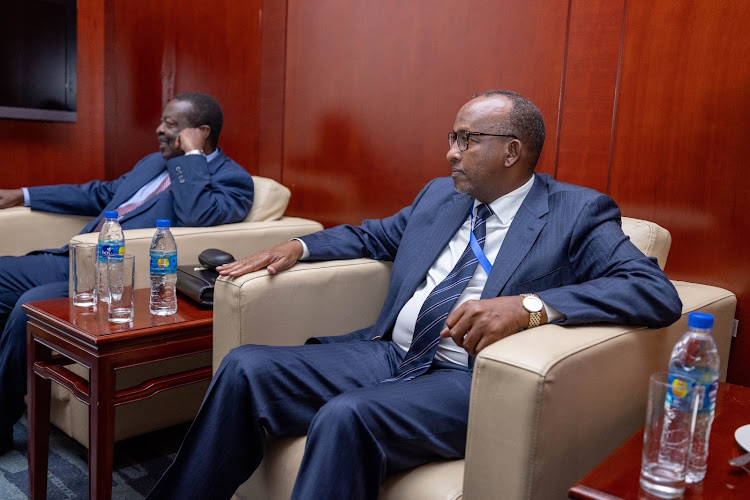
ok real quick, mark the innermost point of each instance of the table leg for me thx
(101, 429)
(38, 390)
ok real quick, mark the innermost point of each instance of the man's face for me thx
(173, 120)
(478, 171)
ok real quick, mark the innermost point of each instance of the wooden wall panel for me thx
(271, 88)
(679, 152)
(35, 152)
(588, 92)
(372, 89)
(159, 49)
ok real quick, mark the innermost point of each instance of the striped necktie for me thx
(431, 319)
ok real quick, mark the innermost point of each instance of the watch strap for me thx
(535, 317)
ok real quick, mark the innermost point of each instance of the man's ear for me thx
(512, 153)
(205, 133)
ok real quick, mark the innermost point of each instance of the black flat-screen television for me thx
(38, 60)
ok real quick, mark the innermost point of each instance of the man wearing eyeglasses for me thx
(479, 256)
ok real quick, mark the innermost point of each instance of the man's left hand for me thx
(475, 324)
(192, 138)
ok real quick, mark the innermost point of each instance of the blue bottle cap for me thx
(700, 320)
(162, 222)
(110, 214)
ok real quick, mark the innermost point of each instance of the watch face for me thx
(532, 303)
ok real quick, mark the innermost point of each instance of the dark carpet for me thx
(138, 463)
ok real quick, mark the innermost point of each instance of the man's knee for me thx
(56, 290)
(345, 409)
(17, 319)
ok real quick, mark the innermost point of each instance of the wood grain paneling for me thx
(588, 92)
(679, 144)
(372, 89)
(271, 88)
(159, 49)
(35, 152)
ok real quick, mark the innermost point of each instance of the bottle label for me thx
(163, 263)
(678, 393)
(110, 248)
(709, 396)
(679, 390)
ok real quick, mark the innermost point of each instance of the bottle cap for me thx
(700, 320)
(110, 214)
(162, 222)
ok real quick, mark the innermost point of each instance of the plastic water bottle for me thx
(163, 270)
(695, 359)
(111, 242)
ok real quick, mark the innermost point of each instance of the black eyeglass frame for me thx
(453, 137)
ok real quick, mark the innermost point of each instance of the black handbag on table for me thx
(197, 282)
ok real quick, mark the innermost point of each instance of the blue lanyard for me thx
(478, 252)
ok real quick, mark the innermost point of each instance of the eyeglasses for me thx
(462, 138)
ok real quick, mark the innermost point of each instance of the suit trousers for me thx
(23, 279)
(358, 430)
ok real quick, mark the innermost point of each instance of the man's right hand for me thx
(275, 259)
(10, 197)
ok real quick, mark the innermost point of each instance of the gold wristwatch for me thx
(534, 305)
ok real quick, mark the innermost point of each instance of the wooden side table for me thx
(84, 336)
(617, 476)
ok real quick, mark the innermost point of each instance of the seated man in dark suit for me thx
(477, 257)
(190, 181)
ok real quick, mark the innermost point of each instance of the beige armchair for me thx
(546, 404)
(264, 226)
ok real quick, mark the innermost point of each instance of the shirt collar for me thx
(506, 206)
(212, 155)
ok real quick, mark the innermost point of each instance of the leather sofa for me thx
(547, 404)
(264, 226)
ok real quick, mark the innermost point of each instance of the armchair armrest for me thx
(25, 230)
(548, 404)
(240, 239)
(311, 298)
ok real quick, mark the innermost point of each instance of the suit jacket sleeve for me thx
(209, 194)
(613, 281)
(377, 239)
(201, 193)
(75, 199)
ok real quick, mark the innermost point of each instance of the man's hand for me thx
(10, 197)
(475, 324)
(192, 138)
(275, 259)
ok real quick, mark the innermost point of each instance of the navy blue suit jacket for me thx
(565, 244)
(201, 194)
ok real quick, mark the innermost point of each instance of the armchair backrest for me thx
(650, 238)
(270, 200)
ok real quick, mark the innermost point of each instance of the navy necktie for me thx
(431, 319)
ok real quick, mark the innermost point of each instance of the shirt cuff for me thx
(26, 199)
(305, 251)
(552, 313)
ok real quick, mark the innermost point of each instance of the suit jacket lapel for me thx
(135, 182)
(522, 234)
(434, 238)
